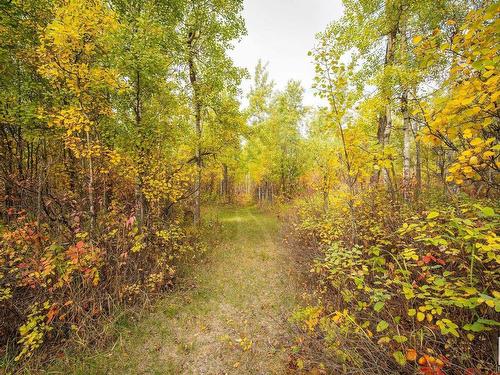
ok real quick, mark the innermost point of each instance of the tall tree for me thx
(209, 29)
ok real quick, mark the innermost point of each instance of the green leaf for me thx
(488, 211)
(400, 339)
(432, 215)
(382, 325)
(378, 306)
(440, 282)
(488, 322)
(399, 357)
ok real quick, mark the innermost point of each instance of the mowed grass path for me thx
(228, 316)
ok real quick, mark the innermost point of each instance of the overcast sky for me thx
(281, 32)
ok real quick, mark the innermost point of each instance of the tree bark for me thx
(406, 145)
(325, 193)
(418, 165)
(385, 117)
(197, 113)
(90, 185)
(225, 183)
(140, 201)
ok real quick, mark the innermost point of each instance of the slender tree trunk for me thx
(386, 134)
(427, 171)
(406, 145)
(350, 182)
(90, 185)
(418, 165)
(197, 194)
(39, 194)
(197, 113)
(325, 193)
(139, 195)
(225, 183)
(385, 117)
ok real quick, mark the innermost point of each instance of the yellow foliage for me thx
(466, 109)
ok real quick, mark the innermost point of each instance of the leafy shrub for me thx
(419, 287)
(51, 286)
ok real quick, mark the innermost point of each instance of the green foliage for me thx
(419, 280)
(98, 149)
(404, 273)
(274, 153)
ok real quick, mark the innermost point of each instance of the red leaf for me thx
(130, 222)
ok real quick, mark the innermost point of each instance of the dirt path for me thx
(234, 319)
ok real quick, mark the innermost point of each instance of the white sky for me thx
(281, 32)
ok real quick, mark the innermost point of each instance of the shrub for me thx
(54, 282)
(420, 288)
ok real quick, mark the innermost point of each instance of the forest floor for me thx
(227, 315)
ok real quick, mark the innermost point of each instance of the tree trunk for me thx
(418, 165)
(325, 193)
(90, 185)
(225, 183)
(197, 113)
(140, 199)
(197, 194)
(385, 117)
(406, 145)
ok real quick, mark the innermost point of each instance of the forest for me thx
(156, 218)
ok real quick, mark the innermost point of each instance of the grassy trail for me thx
(231, 321)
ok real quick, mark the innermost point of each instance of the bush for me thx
(415, 290)
(54, 283)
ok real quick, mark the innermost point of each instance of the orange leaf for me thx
(411, 354)
(51, 313)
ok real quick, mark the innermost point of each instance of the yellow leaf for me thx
(476, 142)
(467, 133)
(473, 160)
(432, 215)
(417, 39)
(300, 364)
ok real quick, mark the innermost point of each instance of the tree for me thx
(375, 36)
(23, 135)
(463, 116)
(209, 27)
(69, 52)
(275, 146)
(322, 146)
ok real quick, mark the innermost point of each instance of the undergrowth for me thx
(61, 293)
(407, 289)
